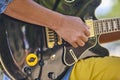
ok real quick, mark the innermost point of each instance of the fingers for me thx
(84, 38)
(80, 41)
(74, 31)
(87, 33)
(74, 44)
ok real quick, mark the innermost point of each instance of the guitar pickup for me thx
(89, 22)
(52, 38)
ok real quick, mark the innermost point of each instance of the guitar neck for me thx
(97, 27)
(106, 26)
(103, 26)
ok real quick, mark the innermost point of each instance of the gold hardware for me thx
(53, 57)
(50, 39)
(59, 40)
(50, 36)
(89, 22)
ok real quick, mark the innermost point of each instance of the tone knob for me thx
(52, 75)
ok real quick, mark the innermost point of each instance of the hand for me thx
(73, 30)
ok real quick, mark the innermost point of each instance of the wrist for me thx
(57, 21)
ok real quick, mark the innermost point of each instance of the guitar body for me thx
(18, 39)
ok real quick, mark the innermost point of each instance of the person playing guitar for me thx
(74, 32)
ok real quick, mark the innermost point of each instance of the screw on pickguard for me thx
(52, 38)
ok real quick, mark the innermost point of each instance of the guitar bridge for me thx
(52, 38)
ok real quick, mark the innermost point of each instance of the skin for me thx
(71, 29)
(64, 25)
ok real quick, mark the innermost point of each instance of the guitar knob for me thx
(27, 70)
(31, 59)
(51, 75)
(41, 62)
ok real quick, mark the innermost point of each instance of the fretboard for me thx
(106, 26)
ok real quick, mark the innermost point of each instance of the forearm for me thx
(109, 37)
(70, 28)
(30, 11)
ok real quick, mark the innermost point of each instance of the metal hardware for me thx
(89, 22)
(51, 75)
(69, 1)
(52, 38)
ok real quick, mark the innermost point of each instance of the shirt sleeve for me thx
(3, 5)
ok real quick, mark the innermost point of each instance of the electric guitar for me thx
(19, 39)
(97, 27)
